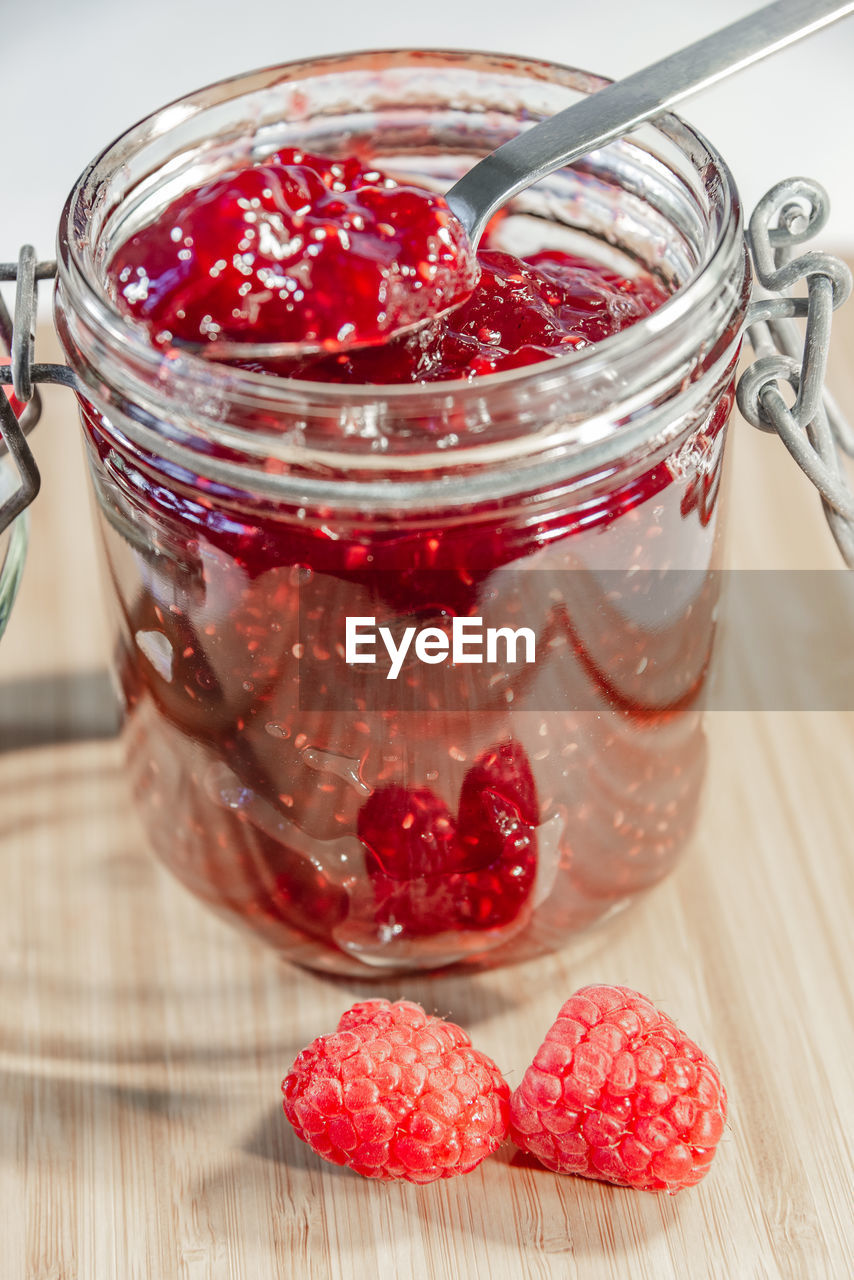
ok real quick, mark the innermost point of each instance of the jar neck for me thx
(503, 433)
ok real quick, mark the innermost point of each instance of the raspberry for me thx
(506, 770)
(498, 814)
(395, 1093)
(410, 834)
(617, 1092)
(431, 873)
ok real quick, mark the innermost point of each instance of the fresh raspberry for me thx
(395, 1093)
(431, 873)
(618, 1092)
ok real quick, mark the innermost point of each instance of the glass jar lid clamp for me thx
(812, 427)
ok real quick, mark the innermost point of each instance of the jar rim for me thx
(112, 333)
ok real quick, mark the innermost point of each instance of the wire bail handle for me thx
(813, 429)
(17, 338)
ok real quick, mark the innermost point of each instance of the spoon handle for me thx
(620, 107)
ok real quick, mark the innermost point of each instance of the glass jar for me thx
(461, 812)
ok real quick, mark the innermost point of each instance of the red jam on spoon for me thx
(298, 249)
(304, 249)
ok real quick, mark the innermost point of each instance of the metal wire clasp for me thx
(18, 338)
(812, 428)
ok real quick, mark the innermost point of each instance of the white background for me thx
(76, 73)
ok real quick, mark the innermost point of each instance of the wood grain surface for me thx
(142, 1042)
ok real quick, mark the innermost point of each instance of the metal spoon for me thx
(590, 123)
(621, 107)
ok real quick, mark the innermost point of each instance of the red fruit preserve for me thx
(298, 249)
(411, 554)
(210, 272)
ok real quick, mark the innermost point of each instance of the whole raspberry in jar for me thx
(460, 811)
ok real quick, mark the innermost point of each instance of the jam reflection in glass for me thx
(477, 815)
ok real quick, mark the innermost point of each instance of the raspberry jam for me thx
(299, 249)
(238, 261)
(250, 505)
